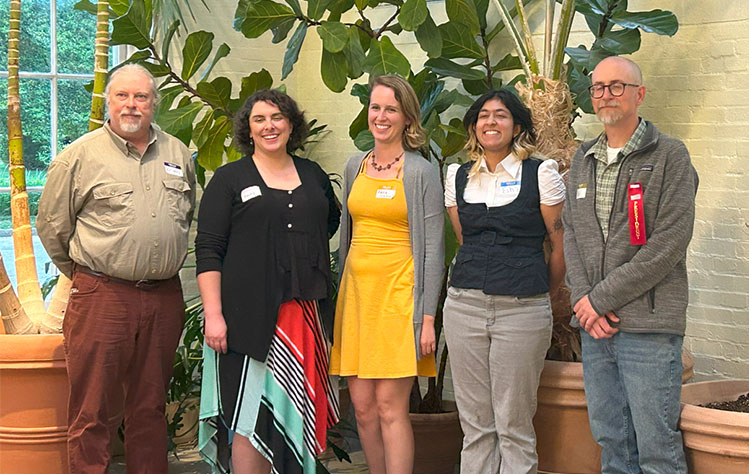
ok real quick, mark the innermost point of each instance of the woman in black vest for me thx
(498, 320)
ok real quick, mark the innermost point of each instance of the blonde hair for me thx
(414, 135)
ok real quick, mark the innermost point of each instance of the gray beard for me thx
(130, 127)
(610, 119)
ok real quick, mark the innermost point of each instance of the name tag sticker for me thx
(173, 169)
(582, 190)
(250, 193)
(647, 168)
(509, 187)
(385, 193)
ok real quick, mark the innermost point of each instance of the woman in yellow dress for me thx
(392, 262)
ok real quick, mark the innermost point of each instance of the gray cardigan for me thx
(426, 222)
(645, 286)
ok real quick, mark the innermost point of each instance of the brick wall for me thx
(698, 90)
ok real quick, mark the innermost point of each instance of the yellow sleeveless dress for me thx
(373, 336)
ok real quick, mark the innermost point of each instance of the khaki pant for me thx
(497, 347)
(120, 341)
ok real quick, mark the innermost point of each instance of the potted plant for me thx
(716, 441)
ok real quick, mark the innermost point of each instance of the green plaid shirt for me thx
(606, 174)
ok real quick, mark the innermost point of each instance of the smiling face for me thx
(386, 118)
(131, 104)
(495, 128)
(269, 128)
(612, 110)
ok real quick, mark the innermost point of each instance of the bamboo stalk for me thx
(550, 7)
(515, 35)
(56, 311)
(563, 35)
(29, 293)
(15, 320)
(101, 65)
(530, 49)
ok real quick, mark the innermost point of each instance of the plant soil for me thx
(741, 404)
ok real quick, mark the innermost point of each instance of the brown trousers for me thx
(120, 342)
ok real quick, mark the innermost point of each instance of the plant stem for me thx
(532, 57)
(515, 35)
(563, 34)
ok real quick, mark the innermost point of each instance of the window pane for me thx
(35, 121)
(73, 106)
(34, 47)
(76, 33)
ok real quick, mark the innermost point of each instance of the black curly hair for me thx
(288, 108)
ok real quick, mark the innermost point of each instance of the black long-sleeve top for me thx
(270, 246)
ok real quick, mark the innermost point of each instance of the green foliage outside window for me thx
(75, 55)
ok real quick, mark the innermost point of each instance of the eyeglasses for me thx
(615, 88)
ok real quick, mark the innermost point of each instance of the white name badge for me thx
(250, 193)
(173, 169)
(581, 192)
(509, 187)
(385, 193)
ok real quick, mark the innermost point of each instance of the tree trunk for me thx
(14, 317)
(29, 292)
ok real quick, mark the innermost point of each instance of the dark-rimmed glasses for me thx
(615, 88)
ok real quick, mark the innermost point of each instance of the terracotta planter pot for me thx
(716, 441)
(438, 440)
(563, 438)
(33, 404)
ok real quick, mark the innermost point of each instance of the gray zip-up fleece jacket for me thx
(645, 286)
(426, 221)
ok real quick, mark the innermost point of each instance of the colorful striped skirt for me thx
(284, 405)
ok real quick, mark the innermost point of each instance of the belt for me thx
(142, 284)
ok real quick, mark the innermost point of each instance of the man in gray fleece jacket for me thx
(628, 219)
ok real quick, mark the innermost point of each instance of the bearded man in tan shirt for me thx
(114, 217)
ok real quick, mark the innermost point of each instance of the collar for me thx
(510, 164)
(598, 150)
(122, 144)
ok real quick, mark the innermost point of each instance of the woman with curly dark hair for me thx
(264, 277)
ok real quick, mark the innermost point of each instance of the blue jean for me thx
(633, 389)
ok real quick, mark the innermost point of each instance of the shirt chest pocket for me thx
(114, 204)
(178, 198)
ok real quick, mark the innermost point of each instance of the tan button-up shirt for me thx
(119, 213)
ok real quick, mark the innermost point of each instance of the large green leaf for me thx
(255, 82)
(429, 37)
(364, 140)
(579, 84)
(508, 63)
(85, 6)
(621, 41)
(354, 54)
(361, 92)
(598, 7)
(459, 42)
(294, 4)
(168, 40)
(120, 7)
(333, 69)
(134, 27)
(240, 14)
(281, 31)
(211, 154)
(334, 35)
(359, 124)
(217, 92)
(479, 87)
(196, 50)
(448, 68)
(166, 98)
(361, 5)
(292, 49)
(182, 117)
(655, 21)
(384, 58)
(202, 129)
(463, 12)
(586, 60)
(482, 6)
(456, 137)
(316, 8)
(262, 15)
(222, 52)
(413, 14)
